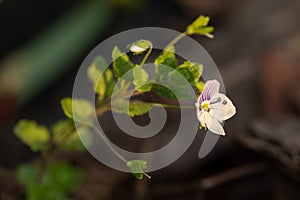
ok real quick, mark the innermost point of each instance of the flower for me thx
(213, 107)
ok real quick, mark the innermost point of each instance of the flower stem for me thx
(173, 106)
(146, 56)
(175, 40)
(100, 111)
(103, 137)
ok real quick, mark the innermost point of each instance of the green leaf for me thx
(38, 192)
(121, 63)
(204, 30)
(66, 104)
(140, 46)
(67, 137)
(61, 129)
(144, 88)
(55, 182)
(101, 77)
(201, 21)
(77, 109)
(182, 91)
(191, 71)
(74, 142)
(136, 108)
(61, 176)
(140, 78)
(34, 135)
(121, 88)
(28, 175)
(137, 167)
(120, 107)
(167, 58)
(199, 26)
(96, 69)
(138, 175)
(199, 86)
(163, 91)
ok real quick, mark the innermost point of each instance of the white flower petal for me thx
(221, 107)
(211, 88)
(214, 126)
(197, 105)
(207, 121)
(204, 118)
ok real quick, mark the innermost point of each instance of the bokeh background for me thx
(257, 50)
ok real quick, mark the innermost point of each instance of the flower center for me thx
(205, 105)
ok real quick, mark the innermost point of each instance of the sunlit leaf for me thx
(199, 86)
(191, 72)
(138, 108)
(78, 109)
(121, 63)
(34, 135)
(65, 135)
(101, 77)
(199, 26)
(167, 58)
(140, 78)
(74, 141)
(61, 129)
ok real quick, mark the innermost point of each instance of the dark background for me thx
(256, 48)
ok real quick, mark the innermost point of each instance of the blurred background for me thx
(257, 50)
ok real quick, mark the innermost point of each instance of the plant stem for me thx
(175, 40)
(103, 137)
(172, 106)
(146, 56)
(130, 94)
(102, 110)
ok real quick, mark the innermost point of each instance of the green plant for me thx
(53, 179)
